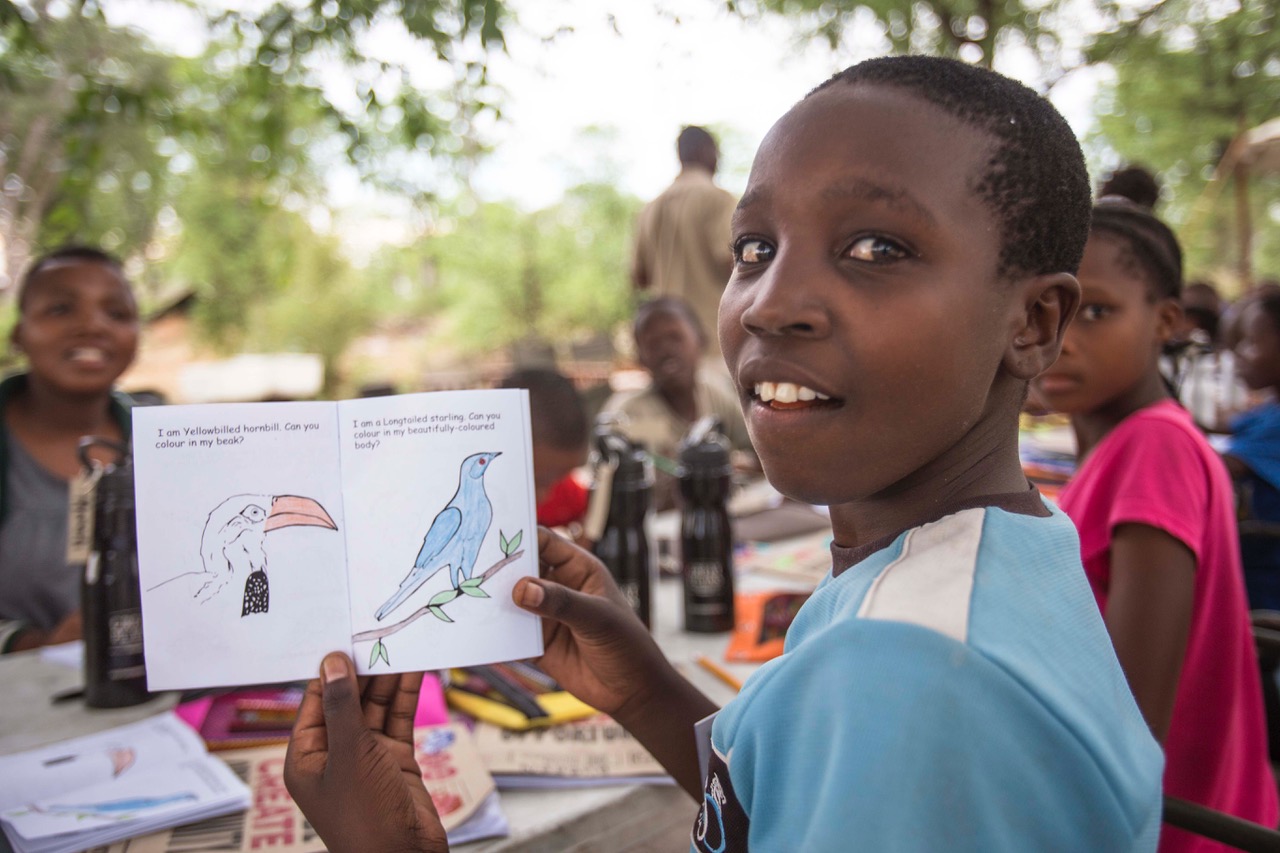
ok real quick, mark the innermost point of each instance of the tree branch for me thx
(379, 633)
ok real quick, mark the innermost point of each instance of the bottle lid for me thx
(117, 482)
(632, 466)
(705, 450)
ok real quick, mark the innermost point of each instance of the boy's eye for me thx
(750, 250)
(1092, 313)
(877, 249)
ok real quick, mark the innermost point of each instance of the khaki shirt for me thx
(645, 418)
(682, 246)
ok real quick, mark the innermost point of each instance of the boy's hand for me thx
(351, 766)
(596, 647)
(600, 651)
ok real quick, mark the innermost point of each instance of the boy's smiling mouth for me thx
(788, 395)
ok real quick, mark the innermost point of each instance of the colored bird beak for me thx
(295, 511)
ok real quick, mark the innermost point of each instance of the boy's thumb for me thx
(579, 611)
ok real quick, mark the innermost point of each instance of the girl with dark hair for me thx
(1154, 507)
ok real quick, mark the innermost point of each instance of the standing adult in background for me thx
(78, 328)
(682, 237)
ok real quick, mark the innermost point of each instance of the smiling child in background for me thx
(78, 328)
(903, 252)
(1154, 507)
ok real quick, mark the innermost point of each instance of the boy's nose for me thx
(780, 302)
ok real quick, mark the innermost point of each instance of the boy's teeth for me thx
(787, 392)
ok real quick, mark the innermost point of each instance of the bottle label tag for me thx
(598, 506)
(80, 511)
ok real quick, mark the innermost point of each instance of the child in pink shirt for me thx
(1153, 504)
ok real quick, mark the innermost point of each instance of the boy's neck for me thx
(990, 467)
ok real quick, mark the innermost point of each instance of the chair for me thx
(1217, 826)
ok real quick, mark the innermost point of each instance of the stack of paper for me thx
(116, 784)
(459, 786)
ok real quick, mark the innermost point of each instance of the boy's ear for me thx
(1046, 306)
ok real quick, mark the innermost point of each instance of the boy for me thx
(558, 422)
(903, 252)
(669, 344)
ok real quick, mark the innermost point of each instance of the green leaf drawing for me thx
(438, 613)
(442, 597)
(502, 542)
(514, 543)
(471, 583)
(379, 651)
(474, 591)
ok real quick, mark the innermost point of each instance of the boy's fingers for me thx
(565, 561)
(376, 699)
(404, 707)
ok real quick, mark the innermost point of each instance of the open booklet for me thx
(126, 781)
(392, 528)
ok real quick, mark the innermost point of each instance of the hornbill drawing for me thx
(233, 539)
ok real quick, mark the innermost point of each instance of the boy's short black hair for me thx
(672, 305)
(556, 413)
(76, 252)
(1151, 244)
(1035, 181)
(1135, 183)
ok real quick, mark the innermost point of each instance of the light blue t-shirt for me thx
(955, 690)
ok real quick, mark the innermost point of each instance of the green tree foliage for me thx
(973, 30)
(1189, 75)
(94, 116)
(507, 276)
(84, 111)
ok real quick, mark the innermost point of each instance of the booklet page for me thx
(240, 542)
(440, 526)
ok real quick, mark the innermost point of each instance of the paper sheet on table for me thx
(272, 533)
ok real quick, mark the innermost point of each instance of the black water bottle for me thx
(706, 539)
(623, 544)
(111, 598)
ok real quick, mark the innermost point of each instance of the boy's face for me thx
(669, 348)
(866, 272)
(78, 326)
(1258, 353)
(1112, 346)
